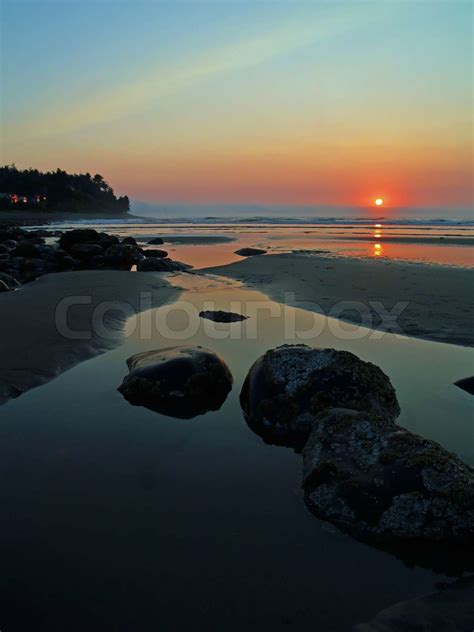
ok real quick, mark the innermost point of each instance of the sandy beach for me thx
(34, 350)
(439, 305)
(440, 299)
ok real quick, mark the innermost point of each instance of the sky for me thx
(283, 102)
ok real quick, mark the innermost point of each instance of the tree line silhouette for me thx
(58, 191)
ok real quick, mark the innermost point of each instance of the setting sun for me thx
(379, 201)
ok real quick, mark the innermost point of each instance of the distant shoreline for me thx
(38, 218)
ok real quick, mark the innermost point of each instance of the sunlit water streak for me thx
(445, 244)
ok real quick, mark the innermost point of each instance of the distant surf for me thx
(273, 220)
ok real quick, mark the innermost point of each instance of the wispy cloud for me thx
(159, 81)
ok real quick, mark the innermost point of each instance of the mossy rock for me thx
(288, 387)
(180, 382)
(378, 481)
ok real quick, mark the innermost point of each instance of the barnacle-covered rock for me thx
(381, 482)
(291, 385)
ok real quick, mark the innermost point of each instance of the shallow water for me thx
(437, 243)
(118, 518)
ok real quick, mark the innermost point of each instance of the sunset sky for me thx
(290, 103)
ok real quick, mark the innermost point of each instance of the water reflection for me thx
(201, 245)
(99, 496)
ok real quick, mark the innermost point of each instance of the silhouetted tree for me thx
(60, 191)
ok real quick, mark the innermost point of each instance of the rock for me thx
(10, 243)
(380, 482)
(222, 317)
(4, 287)
(8, 233)
(86, 251)
(86, 236)
(9, 281)
(289, 386)
(161, 265)
(97, 263)
(4, 250)
(156, 241)
(122, 256)
(250, 252)
(179, 382)
(36, 237)
(26, 249)
(467, 384)
(451, 609)
(131, 241)
(158, 254)
(59, 254)
(31, 269)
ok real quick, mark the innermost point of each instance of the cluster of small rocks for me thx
(25, 255)
(361, 471)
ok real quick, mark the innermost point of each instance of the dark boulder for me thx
(152, 264)
(250, 252)
(155, 253)
(11, 233)
(4, 287)
(97, 262)
(380, 482)
(122, 256)
(34, 237)
(180, 382)
(86, 251)
(220, 316)
(156, 241)
(291, 385)
(26, 248)
(4, 235)
(10, 243)
(466, 384)
(131, 241)
(31, 269)
(86, 236)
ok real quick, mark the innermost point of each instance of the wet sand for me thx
(439, 300)
(439, 306)
(34, 350)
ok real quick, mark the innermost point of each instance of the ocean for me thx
(426, 240)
